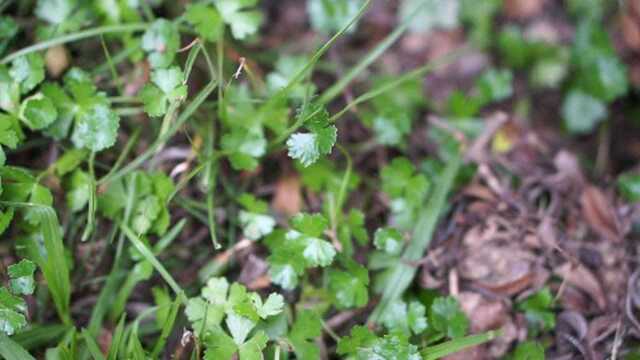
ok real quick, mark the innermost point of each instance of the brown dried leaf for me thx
(288, 198)
(522, 9)
(630, 31)
(483, 314)
(600, 214)
(583, 279)
(56, 60)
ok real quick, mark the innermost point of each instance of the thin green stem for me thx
(91, 212)
(122, 28)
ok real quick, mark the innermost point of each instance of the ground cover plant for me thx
(319, 179)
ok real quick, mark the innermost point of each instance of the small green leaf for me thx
(308, 147)
(495, 85)
(629, 186)
(206, 20)
(21, 277)
(538, 309)
(78, 190)
(239, 327)
(96, 129)
(273, 305)
(38, 112)
(255, 226)
(28, 71)
(349, 288)
(582, 112)
(252, 349)
(528, 350)
(388, 240)
(319, 252)
(432, 14)
(238, 14)
(220, 346)
(446, 316)
(161, 41)
(55, 11)
(328, 17)
(310, 224)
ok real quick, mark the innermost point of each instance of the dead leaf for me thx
(483, 314)
(288, 198)
(57, 60)
(582, 278)
(522, 9)
(599, 213)
(630, 31)
(501, 269)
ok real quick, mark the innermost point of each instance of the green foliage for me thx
(168, 86)
(406, 189)
(241, 16)
(241, 312)
(362, 344)
(582, 112)
(349, 288)
(161, 41)
(447, 317)
(629, 186)
(206, 20)
(255, 222)
(538, 309)
(297, 249)
(328, 17)
(430, 14)
(528, 350)
(319, 140)
(13, 309)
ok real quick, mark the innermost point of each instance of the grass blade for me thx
(109, 29)
(53, 265)
(92, 346)
(166, 328)
(40, 335)
(116, 342)
(403, 273)
(441, 350)
(372, 56)
(9, 349)
(150, 257)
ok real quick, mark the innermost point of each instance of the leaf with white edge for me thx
(284, 275)
(273, 305)
(11, 321)
(416, 318)
(216, 290)
(21, 277)
(28, 71)
(206, 20)
(96, 129)
(328, 17)
(446, 316)
(240, 16)
(239, 327)
(322, 136)
(582, 112)
(38, 112)
(388, 240)
(431, 14)
(255, 226)
(55, 11)
(319, 252)
(161, 41)
(349, 288)
(78, 190)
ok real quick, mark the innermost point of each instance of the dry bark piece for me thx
(288, 198)
(583, 279)
(600, 214)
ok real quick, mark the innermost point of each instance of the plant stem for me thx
(123, 28)
(404, 272)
